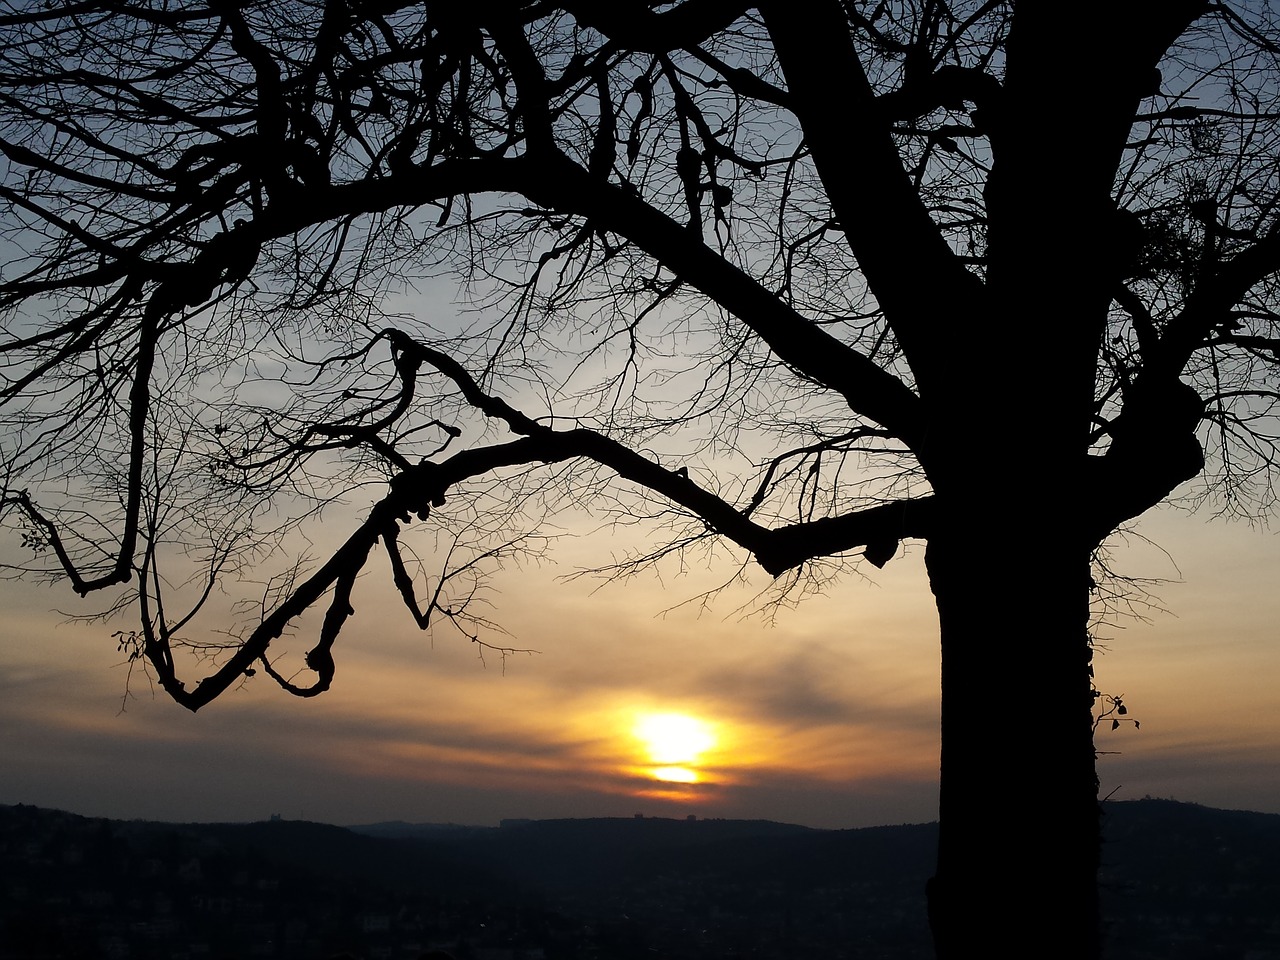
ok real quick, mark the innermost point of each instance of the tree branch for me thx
(887, 226)
(1211, 303)
(775, 550)
(633, 25)
(559, 183)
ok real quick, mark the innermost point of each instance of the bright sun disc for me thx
(673, 739)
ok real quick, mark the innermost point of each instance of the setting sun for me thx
(674, 742)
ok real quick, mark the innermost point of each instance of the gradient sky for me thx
(827, 717)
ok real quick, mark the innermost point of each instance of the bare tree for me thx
(813, 278)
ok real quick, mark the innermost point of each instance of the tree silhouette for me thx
(813, 278)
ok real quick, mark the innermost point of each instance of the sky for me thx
(826, 717)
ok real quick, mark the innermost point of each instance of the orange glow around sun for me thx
(674, 743)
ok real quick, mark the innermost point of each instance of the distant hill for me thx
(589, 856)
(400, 830)
(1184, 881)
(1179, 882)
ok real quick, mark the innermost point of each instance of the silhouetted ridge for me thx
(1180, 882)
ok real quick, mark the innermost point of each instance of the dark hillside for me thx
(1180, 882)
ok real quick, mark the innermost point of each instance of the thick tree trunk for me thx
(1018, 845)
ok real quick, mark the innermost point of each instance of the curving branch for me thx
(637, 27)
(776, 550)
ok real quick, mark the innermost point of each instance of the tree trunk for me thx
(1019, 816)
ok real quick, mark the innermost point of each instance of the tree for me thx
(812, 278)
